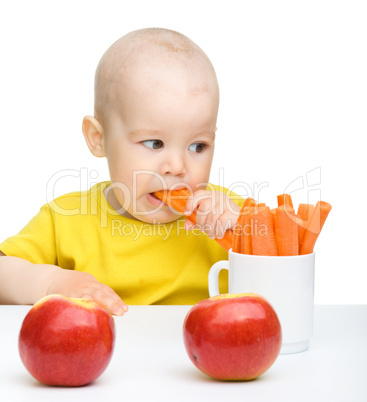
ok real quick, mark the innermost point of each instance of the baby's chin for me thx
(159, 220)
(156, 218)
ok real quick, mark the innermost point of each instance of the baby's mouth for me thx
(153, 195)
(155, 200)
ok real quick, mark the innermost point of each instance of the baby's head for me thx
(156, 105)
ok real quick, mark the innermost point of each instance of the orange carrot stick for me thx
(246, 236)
(236, 244)
(227, 241)
(241, 239)
(314, 226)
(286, 231)
(249, 202)
(242, 235)
(263, 239)
(237, 234)
(284, 199)
(304, 214)
(273, 212)
(177, 199)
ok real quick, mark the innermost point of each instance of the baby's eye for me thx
(197, 147)
(153, 144)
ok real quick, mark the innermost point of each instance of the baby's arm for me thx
(22, 282)
(216, 212)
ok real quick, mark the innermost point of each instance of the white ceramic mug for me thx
(287, 283)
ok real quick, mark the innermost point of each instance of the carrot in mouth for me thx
(177, 199)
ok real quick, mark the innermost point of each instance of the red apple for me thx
(232, 336)
(65, 341)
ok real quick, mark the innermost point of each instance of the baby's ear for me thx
(93, 134)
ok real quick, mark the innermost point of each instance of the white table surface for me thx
(150, 363)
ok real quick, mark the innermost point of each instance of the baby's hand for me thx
(215, 212)
(82, 284)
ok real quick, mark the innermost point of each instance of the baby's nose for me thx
(175, 165)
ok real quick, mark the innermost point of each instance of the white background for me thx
(293, 107)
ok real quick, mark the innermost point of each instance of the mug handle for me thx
(213, 277)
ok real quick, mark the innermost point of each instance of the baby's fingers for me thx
(195, 200)
(107, 297)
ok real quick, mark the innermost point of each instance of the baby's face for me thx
(161, 135)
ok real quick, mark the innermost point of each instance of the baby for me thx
(156, 105)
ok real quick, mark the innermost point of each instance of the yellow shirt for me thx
(143, 263)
